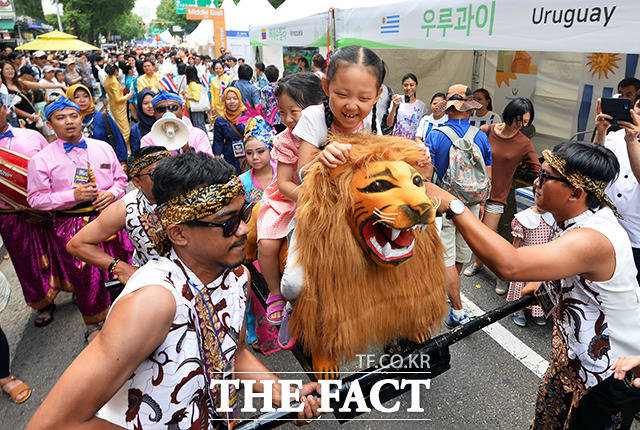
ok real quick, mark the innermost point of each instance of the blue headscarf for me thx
(59, 104)
(145, 122)
(165, 95)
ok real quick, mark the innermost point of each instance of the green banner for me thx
(181, 5)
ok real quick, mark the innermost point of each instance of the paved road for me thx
(486, 388)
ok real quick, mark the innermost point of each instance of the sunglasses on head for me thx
(170, 108)
(544, 176)
(230, 226)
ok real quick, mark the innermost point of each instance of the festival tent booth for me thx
(57, 41)
(552, 53)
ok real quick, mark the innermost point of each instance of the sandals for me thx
(15, 392)
(272, 309)
(45, 319)
(89, 331)
(285, 340)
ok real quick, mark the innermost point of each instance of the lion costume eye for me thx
(418, 181)
(378, 186)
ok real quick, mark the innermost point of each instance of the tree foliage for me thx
(166, 12)
(32, 8)
(89, 18)
(128, 27)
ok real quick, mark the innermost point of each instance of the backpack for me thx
(466, 177)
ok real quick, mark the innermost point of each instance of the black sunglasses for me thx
(230, 226)
(544, 176)
(170, 108)
(149, 173)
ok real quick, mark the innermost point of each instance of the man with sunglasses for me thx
(178, 325)
(135, 213)
(167, 102)
(597, 312)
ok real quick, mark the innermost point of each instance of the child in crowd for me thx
(261, 335)
(531, 226)
(435, 119)
(483, 115)
(294, 93)
(257, 145)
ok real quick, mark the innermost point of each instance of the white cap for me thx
(39, 54)
(48, 68)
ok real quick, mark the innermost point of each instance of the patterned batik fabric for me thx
(171, 388)
(141, 224)
(580, 319)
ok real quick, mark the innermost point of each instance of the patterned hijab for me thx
(71, 92)
(229, 115)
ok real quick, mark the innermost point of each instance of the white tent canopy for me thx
(247, 13)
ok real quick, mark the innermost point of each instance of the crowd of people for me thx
(106, 201)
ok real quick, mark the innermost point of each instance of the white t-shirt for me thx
(312, 127)
(624, 191)
(50, 94)
(408, 118)
(489, 118)
(427, 123)
(320, 74)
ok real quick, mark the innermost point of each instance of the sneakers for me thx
(500, 287)
(452, 321)
(541, 321)
(472, 270)
(284, 338)
(519, 319)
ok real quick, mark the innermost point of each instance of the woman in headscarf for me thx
(97, 125)
(117, 99)
(146, 118)
(228, 133)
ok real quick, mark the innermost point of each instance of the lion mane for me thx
(348, 302)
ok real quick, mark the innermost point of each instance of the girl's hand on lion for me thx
(335, 154)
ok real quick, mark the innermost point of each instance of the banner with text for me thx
(181, 5)
(308, 31)
(537, 25)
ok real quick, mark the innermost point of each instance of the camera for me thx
(407, 98)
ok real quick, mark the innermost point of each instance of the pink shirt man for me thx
(26, 142)
(52, 171)
(198, 140)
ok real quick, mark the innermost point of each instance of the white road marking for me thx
(508, 341)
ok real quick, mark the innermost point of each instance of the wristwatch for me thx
(456, 207)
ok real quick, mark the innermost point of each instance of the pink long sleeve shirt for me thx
(198, 140)
(52, 172)
(26, 142)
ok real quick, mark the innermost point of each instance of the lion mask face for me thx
(390, 203)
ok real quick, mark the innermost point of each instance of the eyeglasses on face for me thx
(230, 226)
(544, 176)
(149, 173)
(170, 108)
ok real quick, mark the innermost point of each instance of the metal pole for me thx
(432, 347)
(58, 15)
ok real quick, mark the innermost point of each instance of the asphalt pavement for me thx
(486, 387)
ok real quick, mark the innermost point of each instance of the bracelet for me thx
(300, 175)
(112, 265)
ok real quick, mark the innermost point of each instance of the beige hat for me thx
(68, 60)
(459, 96)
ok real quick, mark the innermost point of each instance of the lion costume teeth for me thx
(372, 259)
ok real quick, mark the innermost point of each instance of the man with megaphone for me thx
(170, 131)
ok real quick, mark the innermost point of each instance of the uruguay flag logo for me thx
(390, 24)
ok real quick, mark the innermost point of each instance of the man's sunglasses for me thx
(149, 173)
(544, 176)
(170, 108)
(230, 226)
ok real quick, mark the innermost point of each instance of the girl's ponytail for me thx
(328, 115)
(374, 119)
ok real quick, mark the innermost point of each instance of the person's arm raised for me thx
(84, 245)
(582, 251)
(139, 322)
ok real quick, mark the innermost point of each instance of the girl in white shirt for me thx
(436, 119)
(485, 115)
(406, 113)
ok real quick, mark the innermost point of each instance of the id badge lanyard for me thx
(231, 418)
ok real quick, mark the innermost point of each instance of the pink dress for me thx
(533, 229)
(276, 210)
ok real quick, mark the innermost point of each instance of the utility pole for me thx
(58, 15)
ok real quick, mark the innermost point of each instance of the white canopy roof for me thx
(247, 13)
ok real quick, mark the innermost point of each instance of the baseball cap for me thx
(48, 68)
(39, 54)
(27, 70)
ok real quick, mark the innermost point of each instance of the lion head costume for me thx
(372, 258)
